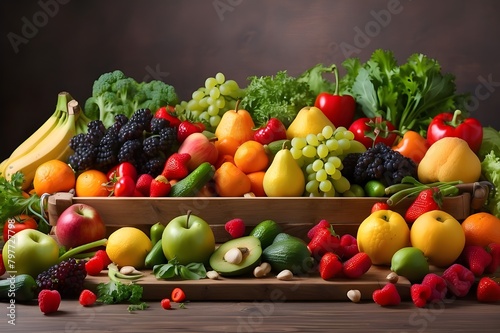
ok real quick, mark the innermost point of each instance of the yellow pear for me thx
(309, 120)
(284, 177)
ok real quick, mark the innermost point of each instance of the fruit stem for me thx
(79, 249)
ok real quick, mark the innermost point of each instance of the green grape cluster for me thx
(320, 157)
(210, 102)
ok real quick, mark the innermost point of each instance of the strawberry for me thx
(348, 246)
(420, 294)
(187, 128)
(94, 266)
(49, 300)
(176, 166)
(104, 257)
(438, 287)
(427, 200)
(488, 290)
(87, 297)
(494, 250)
(160, 187)
(387, 296)
(165, 303)
(459, 279)
(329, 266)
(143, 184)
(476, 258)
(357, 265)
(235, 227)
(168, 113)
(319, 225)
(379, 206)
(324, 240)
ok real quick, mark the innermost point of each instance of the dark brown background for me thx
(184, 42)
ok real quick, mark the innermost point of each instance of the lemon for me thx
(128, 246)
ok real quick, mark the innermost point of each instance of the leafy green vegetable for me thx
(491, 141)
(280, 96)
(114, 93)
(490, 169)
(314, 77)
(407, 95)
(13, 202)
(191, 271)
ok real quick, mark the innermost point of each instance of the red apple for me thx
(200, 148)
(79, 224)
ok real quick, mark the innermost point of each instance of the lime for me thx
(411, 263)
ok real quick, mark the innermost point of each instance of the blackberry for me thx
(380, 163)
(130, 151)
(168, 138)
(142, 117)
(152, 146)
(157, 124)
(67, 277)
(95, 131)
(153, 166)
(130, 131)
(120, 119)
(84, 157)
(76, 141)
(106, 152)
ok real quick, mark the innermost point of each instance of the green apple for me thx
(30, 252)
(411, 263)
(189, 239)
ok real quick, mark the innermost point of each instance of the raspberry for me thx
(386, 296)
(94, 266)
(165, 303)
(438, 286)
(348, 246)
(235, 227)
(49, 300)
(420, 294)
(87, 297)
(459, 279)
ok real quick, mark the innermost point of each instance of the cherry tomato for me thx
(124, 187)
(122, 169)
(16, 224)
(380, 206)
(365, 130)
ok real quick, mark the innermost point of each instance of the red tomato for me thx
(365, 130)
(124, 187)
(16, 224)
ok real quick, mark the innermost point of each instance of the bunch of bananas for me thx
(50, 141)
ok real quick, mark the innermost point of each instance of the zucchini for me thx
(192, 183)
(21, 287)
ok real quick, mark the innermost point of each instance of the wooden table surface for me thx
(452, 315)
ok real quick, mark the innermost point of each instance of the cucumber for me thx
(273, 147)
(266, 231)
(291, 254)
(192, 183)
(22, 288)
(155, 256)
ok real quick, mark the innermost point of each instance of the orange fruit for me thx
(257, 183)
(91, 183)
(53, 176)
(231, 181)
(251, 156)
(227, 146)
(481, 229)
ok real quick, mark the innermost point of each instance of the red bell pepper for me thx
(452, 124)
(339, 109)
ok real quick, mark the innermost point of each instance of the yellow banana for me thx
(54, 146)
(2, 167)
(43, 131)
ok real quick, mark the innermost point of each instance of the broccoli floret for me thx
(115, 93)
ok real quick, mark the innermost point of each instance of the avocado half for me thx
(251, 257)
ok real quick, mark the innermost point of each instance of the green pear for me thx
(309, 120)
(411, 263)
(284, 177)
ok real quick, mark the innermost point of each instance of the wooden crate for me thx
(295, 215)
